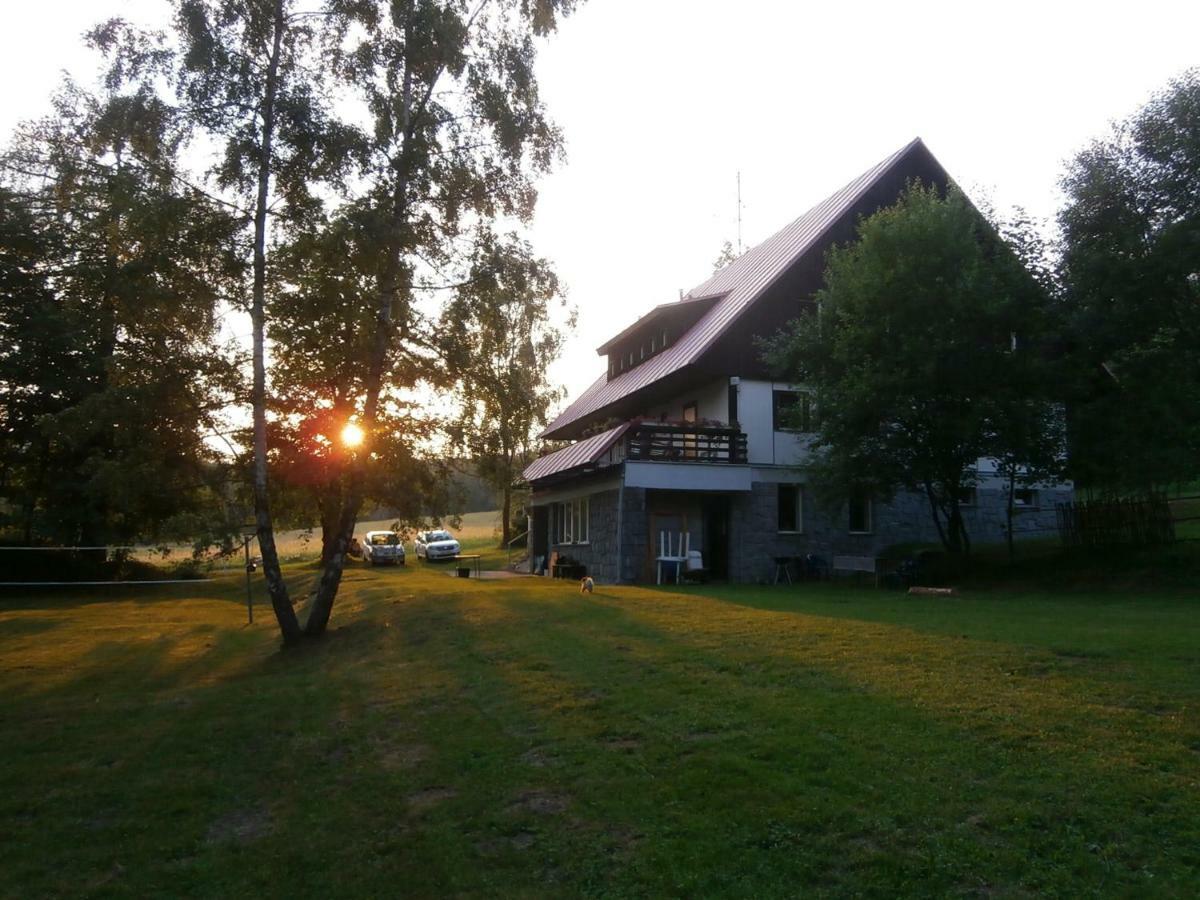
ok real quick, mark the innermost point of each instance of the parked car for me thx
(436, 545)
(380, 547)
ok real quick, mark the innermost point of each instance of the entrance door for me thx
(715, 508)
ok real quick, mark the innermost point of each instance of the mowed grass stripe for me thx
(517, 739)
(1023, 749)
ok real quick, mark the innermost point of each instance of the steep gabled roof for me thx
(578, 454)
(699, 303)
(737, 286)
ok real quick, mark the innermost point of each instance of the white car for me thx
(382, 547)
(436, 545)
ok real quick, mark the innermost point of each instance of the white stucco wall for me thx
(711, 399)
(765, 446)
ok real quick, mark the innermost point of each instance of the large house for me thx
(680, 438)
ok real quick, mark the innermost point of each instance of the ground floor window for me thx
(1025, 497)
(860, 513)
(571, 522)
(791, 508)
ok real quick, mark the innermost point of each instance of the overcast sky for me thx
(664, 101)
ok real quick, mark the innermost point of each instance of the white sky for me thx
(664, 101)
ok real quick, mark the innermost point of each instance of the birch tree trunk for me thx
(277, 590)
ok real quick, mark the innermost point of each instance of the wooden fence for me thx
(1102, 523)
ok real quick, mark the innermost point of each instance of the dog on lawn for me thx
(586, 585)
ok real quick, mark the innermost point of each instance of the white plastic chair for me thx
(678, 557)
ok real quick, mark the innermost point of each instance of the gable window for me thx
(791, 508)
(571, 525)
(792, 411)
(859, 520)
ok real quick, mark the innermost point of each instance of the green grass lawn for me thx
(515, 738)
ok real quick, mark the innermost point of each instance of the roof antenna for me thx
(739, 210)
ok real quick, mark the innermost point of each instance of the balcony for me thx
(660, 442)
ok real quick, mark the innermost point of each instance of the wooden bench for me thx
(856, 564)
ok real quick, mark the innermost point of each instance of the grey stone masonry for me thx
(755, 540)
(599, 554)
(618, 532)
(634, 541)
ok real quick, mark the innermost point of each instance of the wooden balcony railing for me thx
(685, 443)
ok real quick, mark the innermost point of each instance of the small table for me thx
(781, 565)
(470, 558)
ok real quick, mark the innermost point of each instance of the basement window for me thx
(859, 519)
(1026, 497)
(791, 509)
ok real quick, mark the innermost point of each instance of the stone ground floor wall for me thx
(755, 541)
(619, 529)
(600, 553)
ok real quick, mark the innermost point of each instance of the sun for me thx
(352, 435)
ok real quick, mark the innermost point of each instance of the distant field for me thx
(476, 531)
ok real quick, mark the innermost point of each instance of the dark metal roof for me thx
(663, 309)
(739, 284)
(578, 454)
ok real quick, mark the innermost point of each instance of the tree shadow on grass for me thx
(924, 757)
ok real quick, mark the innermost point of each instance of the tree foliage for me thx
(326, 279)
(503, 329)
(247, 73)
(907, 348)
(457, 133)
(727, 255)
(1131, 269)
(111, 372)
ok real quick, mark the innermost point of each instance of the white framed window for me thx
(859, 519)
(968, 496)
(792, 411)
(1025, 497)
(571, 522)
(791, 509)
